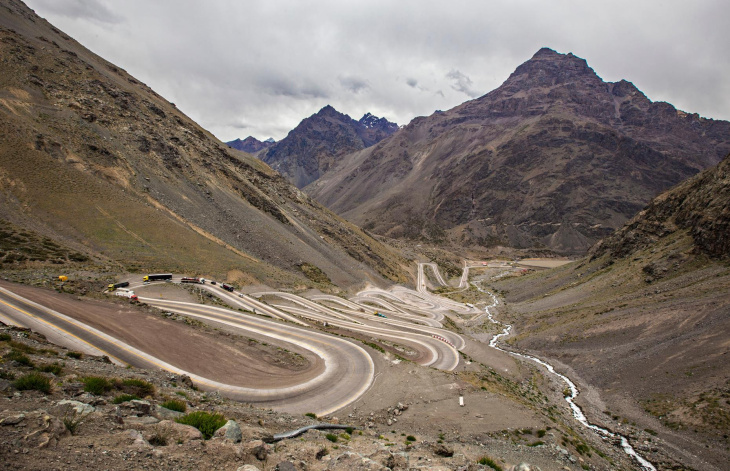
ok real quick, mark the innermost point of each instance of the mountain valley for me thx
(358, 295)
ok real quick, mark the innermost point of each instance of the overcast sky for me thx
(258, 67)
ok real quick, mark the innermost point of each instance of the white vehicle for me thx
(126, 293)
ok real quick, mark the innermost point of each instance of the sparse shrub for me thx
(537, 443)
(75, 355)
(331, 437)
(181, 393)
(135, 386)
(411, 438)
(174, 404)
(97, 385)
(349, 430)
(33, 382)
(7, 375)
(322, 453)
(5, 337)
(583, 449)
(21, 347)
(54, 368)
(541, 433)
(19, 358)
(487, 461)
(124, 398)
(206, 422)
(311, 414)
(48, 351)
(160, 436)
(70, 421)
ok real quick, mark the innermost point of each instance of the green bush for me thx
(124, 398)
(19, 358)
(541, 433)
(5, 337)
(411, 438)
(487, 461)
(136, 386)
(54, 368)
(206, 422)
(311, 414)
(75, 355)
(174, 404)
(331, 437)
(33, 382)
(97, 385)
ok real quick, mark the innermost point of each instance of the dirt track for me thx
(218, 355)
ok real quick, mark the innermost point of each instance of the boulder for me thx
(230, 431)
(164, 413)
(248, 467)
(181, 432)
(256, 448)
(12, 420)
(256, 433)
(79, 408)
(525, 467)
(286, 466)
(440, 449)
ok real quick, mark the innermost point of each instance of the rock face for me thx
(319, 141)
(555, 157)
(700, 206)
(250, 144)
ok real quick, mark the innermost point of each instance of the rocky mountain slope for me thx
(644, 320)
(555, 157)
(250, 144)
(314, 146)
(94, 160)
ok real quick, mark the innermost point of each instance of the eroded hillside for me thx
(91, 157)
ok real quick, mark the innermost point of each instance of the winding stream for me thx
(577, 411)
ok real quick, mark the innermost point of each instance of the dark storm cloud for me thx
(271, 64)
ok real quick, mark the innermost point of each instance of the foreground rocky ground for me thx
(76, 425)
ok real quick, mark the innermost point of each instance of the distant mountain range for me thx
(251, 144)
(555, 158)
(318, 142)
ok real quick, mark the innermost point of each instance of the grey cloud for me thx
(280, 86)
(224, 63)
(79, 9)
(462, 83)
(354, 84)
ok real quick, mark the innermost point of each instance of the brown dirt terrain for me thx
(412, 402)
(215, 354)
(652, 352)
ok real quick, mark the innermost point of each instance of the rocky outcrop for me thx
(700, 206)
(314, 146)
(555, 157)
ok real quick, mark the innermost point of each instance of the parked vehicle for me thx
(381, 315)
(227, 287)
(158, 277)
(122, 284)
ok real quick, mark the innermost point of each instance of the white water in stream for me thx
(577, 411)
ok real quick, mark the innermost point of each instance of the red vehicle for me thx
(191, 280)
(227, 287)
